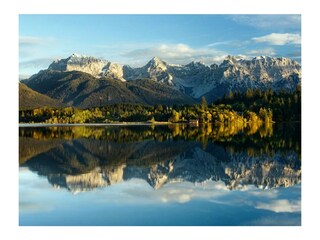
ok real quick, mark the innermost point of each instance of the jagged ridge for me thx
(196, 79)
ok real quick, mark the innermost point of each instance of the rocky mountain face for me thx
(155, 69)
(258, 73)
(91, 65)
(197, 79)
(81, 63)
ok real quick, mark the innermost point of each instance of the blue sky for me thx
(135, 39)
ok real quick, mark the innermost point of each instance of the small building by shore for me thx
(194, 122)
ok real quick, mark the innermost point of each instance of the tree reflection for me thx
(264, 139)
(75, 157)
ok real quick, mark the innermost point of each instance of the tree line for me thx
(285, 106)
(202, 113)
(253, 107)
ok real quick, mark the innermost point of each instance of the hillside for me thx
(30, 99)
(82, 90)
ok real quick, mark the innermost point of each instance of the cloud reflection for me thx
(281, 205)
(39, 199)
(137, 190)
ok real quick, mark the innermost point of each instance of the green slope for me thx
(83, 90)
(30, 99)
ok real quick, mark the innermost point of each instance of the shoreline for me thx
(120, 124)
(95, 124)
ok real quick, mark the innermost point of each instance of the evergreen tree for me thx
(203, 103)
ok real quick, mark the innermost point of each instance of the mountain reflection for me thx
(85, 158)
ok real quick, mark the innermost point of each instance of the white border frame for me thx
(9, 115)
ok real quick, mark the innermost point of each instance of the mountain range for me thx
(84, 81)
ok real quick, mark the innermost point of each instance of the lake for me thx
(171, 175)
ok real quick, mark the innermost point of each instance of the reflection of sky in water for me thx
(135, 202)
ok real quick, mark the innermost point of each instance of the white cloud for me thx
(36, 63)
(270, 21)
(271, 194)
(296, 55)
(179, 192)
(265, 51)
(28, 40)
(33, 207)
(177, 53)
(34, 53)
(31, 40)
(279, 38)
(31, 47)
(23, 76)
(219, 43)
(281, 205)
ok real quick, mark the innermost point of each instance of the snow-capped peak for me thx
(156, 62)
(83, 59)
(196, 79)
(77, 62)
(76, 55)
(229, 61)
(156, 59)
(259, 58)
(113, 70)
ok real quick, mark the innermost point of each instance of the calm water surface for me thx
(163, 175)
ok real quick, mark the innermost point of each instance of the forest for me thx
(253, 107)
(285, 106)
